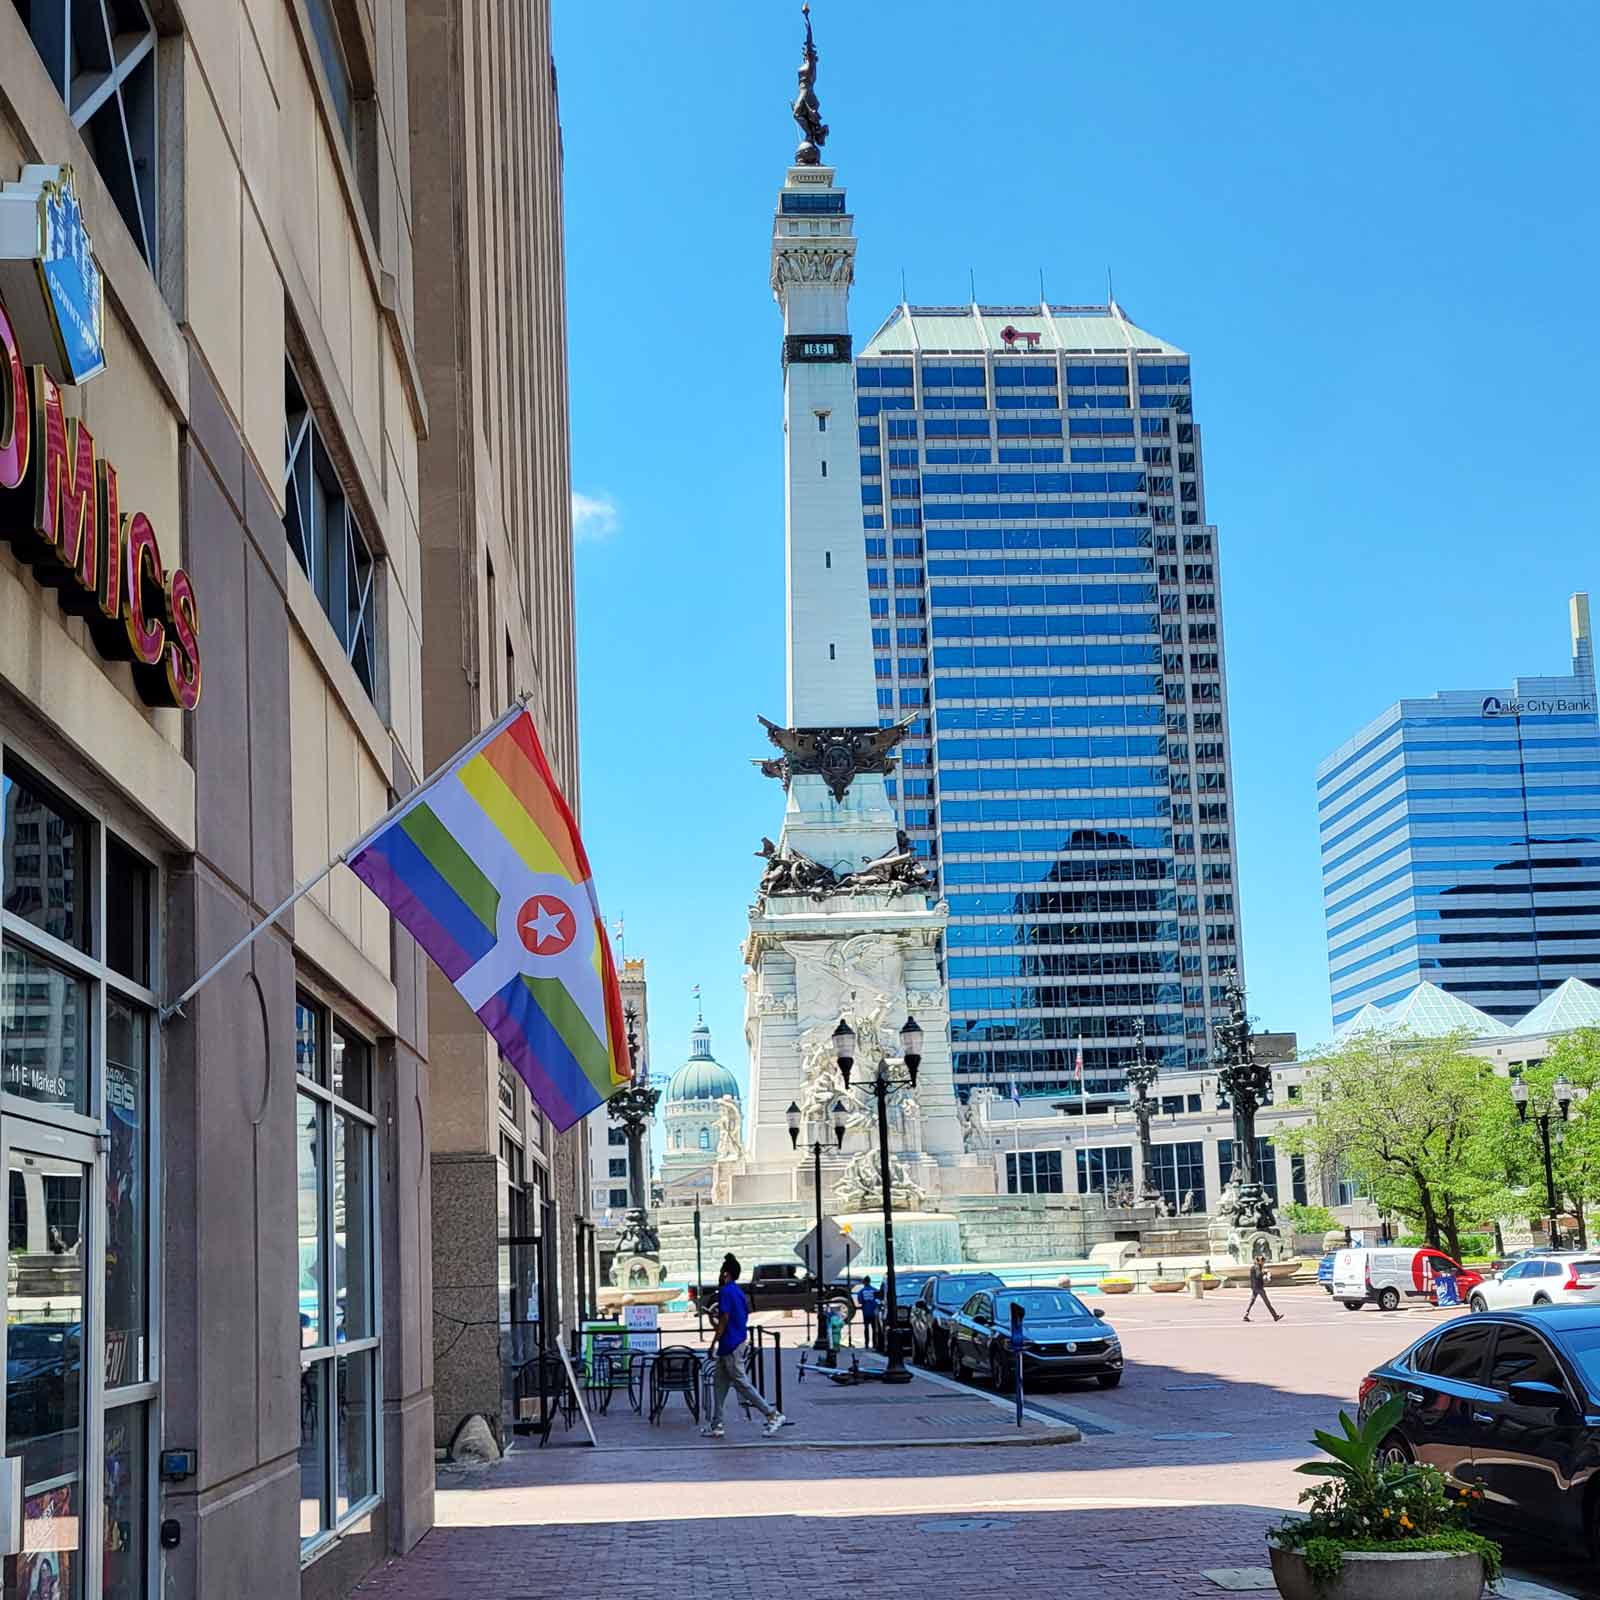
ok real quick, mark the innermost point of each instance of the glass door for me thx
(51, 1212)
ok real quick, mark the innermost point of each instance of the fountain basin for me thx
(921, 1239)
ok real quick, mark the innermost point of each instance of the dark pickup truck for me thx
(779, 1286)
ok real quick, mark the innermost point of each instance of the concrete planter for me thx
(1166, 1285)
(1109, 1286)
(1403, 1575)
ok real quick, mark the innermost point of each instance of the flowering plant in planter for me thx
(1372, 1503)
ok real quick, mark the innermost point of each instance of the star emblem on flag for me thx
(546, 925)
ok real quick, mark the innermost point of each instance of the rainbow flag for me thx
(485, 869)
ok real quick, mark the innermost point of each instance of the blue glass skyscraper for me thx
(1043, 588)
(1461, 844)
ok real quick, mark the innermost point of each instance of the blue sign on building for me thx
(49, 277)
(71, 279)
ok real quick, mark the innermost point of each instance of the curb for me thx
(1060, 1433)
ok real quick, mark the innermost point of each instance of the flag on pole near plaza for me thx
(484, 868)
(1016, 1094)
(1080, 1069)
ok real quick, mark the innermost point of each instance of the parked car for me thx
(779, 1286)
(940, 1298)
(1571, 1279)
(1524, 1253)
(907, 1286)
(1508, 1403)
(43, 1362)
(1386, 1277)
(1064, 1339)
(1325, 1273)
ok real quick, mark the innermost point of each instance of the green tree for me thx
(1514, 1147)
(1402, 1116)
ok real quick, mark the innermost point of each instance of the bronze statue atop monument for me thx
(807, 113)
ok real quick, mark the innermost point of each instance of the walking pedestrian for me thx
(867, 1299)
(1258, 1288)
(728, 1349)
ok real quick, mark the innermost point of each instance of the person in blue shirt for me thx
(867, 1299)
(728, 1350)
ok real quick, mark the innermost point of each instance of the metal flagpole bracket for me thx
(174, 1008)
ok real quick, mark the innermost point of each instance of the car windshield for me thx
(954, 1291)
(1583, 1345)
(1039, 1303)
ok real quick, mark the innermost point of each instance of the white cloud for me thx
(594, 517)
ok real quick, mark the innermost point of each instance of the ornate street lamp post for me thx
(1562, 1094)
(844, 1049)
(633, 1107)
(1246, 1085)
(1141, 1074)
(821, 1342)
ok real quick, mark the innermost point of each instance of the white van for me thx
(1386, 1277)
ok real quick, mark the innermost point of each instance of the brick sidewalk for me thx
(1181, 1470)
(927, 1411)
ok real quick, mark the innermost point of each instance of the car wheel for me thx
(956, 1370)
(1541, 1299)
(1395, 1452)
(1108, 1380)
(1389, 1300)
(1354, 1305)
(1478, 1303)
(999, 1378)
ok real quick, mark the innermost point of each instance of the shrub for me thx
(1367, 1504)
(1308, 1219)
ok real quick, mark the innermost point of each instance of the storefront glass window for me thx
(126, 1493)
(128, 885)
(44, 860)
(127, 1192)
(308, 1164)
(355, 1459)
(44, 1031)
(339, 1354)
(58, 1067)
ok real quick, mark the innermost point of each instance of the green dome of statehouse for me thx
(700, 1078)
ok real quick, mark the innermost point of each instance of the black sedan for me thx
(907, 1286)
(1507, 1402)
(941, 1297)
(1062, 1338)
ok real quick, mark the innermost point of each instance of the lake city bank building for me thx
(219, 1350)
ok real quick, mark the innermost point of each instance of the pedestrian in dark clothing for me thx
(1258, 1289)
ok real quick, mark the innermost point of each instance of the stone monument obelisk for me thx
(847, 921)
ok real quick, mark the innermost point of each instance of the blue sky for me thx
(1375, 232)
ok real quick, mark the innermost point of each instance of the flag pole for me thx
(301, 890)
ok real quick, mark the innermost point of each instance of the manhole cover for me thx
(966, 1525)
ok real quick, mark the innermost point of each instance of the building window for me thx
(705, 1138)
(619, 1197)
(615, 1135)
(78, 1040)
(101, 56)
(325, 29)
(1033, 1172)
(618, 1167)
(326, 538)
(1297, 1179)
(1179, 1172)
(1106, 1169)
(1266, 1164)
(339, 1329)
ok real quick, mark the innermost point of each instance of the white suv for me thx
(1552, 1280)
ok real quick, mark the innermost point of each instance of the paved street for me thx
(1178, 1471)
